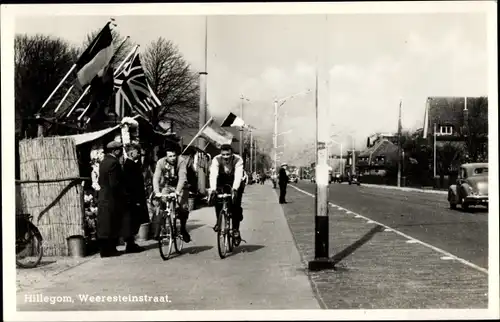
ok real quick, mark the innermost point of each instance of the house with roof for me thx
(458, 120)
(378, 158)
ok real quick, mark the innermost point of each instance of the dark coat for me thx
(110, 198)
(283, 177)
(137, 214)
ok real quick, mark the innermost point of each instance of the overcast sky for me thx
(373, 61)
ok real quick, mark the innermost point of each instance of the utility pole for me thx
(241, 130)
(251, 152)
(321, 240)
(399, 144)
(275, 135)
(203, 112)
(434, 153)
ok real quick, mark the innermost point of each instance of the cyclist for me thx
(171, 176)
(227, 169)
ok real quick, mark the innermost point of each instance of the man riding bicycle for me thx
(171, 176)
(227, 169)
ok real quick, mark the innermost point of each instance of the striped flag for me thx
(96, 57)
(133, 88)
(233, 121)
(216, 135)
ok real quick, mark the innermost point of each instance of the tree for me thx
(477, 129)
(173, 81)
(40, 64)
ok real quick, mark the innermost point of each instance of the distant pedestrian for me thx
(111, 197)
(283, 181)
(137, 213)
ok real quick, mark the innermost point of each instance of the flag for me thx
(216, 135)
(133, 88)
(426, 119)
(96, 57)
(233, 121)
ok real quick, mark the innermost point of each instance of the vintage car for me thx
(293, 178)
(471, 187)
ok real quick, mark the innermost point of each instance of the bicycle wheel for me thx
(230, 238)
(222, 235)
(29, 249)
(167, 239)
(179, 241)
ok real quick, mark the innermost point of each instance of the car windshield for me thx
(481, 170)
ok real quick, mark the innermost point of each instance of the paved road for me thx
(264, 273)
(424, 216)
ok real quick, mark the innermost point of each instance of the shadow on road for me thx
(473, 210)
(196, 249)
(247, 249)
(360, 242)
(193, 227)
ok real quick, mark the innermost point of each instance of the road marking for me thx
(387, 229)
(412, 241)
(370, 222)
(357, 216)
(447, 258)
(439, 250)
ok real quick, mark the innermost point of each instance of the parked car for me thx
(471, 188)
(293, 178)
(337, 177)
(354, 179)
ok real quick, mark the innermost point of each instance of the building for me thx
(378, 158)
(462, 121)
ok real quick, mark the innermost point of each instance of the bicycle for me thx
(28, 242)
(225, 238)
(170, 232)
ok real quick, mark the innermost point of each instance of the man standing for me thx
(137, 213)
(111, 197)
(283, 181)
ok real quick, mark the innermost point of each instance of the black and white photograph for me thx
(250, 161)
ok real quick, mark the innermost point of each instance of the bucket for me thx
(76, 246)
(143, 232)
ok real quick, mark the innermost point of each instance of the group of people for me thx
(122, 201)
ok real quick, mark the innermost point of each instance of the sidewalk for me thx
(441, 192)
(265, 273)
(378, 269)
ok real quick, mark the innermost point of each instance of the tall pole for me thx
(202, 176)
(275, 135)
(341, 160)
(251, 152)
(353, 157)
(321, 240)
(399, 145)
(434, 154)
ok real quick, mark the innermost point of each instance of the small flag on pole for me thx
(426, 119)
(233, 121)
(216, 135)
(96, 57)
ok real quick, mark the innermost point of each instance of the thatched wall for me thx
(47, 159)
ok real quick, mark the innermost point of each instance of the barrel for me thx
(76, 246)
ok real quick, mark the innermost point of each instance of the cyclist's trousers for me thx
(236, 209)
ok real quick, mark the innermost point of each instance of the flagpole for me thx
(114, 74)
(65, 77)
(198, 134)
(58, 86)
(399, 144)
(435, 157)
(87, 89)
(63, 99)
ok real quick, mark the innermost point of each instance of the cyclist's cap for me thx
(226, 147)
(114, 145)
(284, 164)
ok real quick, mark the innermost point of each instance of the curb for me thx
(439, 192)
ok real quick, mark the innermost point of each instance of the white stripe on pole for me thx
(63, 99)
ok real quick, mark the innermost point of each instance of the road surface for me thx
(421, 215)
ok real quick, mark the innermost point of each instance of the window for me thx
(480, 170)
(445, 130)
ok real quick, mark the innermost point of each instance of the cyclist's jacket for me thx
(226, 174)
(167, 175)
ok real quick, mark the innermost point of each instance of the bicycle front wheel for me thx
(167, 239)
(222, 235)
(29, 249)
(178, 241)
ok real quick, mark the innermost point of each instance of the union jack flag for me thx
(133, 88)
